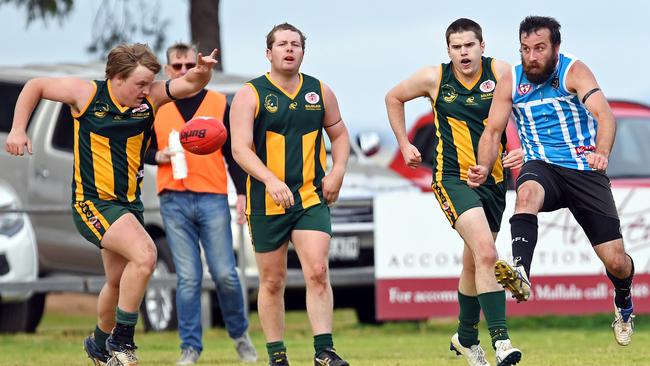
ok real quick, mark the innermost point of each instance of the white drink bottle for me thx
(179, 165)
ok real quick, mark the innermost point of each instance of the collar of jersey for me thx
(289, 95)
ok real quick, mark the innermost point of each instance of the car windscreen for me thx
(631, 150)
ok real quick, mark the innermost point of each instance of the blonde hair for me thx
(124, 58)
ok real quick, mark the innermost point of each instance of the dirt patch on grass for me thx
(71, 303)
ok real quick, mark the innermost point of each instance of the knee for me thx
(112, 283)
(618, 265)
(318, 276)
(226, 279)
(272, 284)
(487, 256)
(527, 198)
(146, 259)
(188, 281)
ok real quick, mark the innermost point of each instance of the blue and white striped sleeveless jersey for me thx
(551, 122)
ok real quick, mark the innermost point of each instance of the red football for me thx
(203, 135)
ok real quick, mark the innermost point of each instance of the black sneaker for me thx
(122, 354)
(279, 359)
(328, 357)
(98, 356)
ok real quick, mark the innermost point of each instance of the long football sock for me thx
(100, 338)
(322, 342)
(273, 348)
(494, 309)
(124, 317)
(468, 318)
(622, 288)
(523, 228)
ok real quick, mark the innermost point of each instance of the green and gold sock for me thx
(468, 318)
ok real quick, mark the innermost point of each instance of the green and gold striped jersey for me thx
(461, 113)
(288, 138)
(109, 145)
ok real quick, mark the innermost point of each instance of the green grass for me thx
(543, 340)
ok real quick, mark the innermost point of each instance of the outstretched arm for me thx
(583, 82)
(488, 147)
(189, 84)
(71, 91)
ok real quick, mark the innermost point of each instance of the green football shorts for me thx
(93, 217)
(456, 197)
(269, 233)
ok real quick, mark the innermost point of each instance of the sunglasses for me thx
(179, 66)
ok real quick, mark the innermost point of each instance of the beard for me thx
(534, 75)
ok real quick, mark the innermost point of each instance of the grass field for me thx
(543, 340)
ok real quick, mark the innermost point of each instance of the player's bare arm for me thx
(338, 135)
(515, 157)
(581, 80)
(242, 115)
(424, 83)
(189, 84)
(488, 147)
(72, 91)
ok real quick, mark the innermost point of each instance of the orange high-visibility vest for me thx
(205, 173)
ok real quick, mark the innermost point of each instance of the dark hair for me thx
(270, 38)
(464, 25)
(181, 48)
(124, 58)
(534, 23)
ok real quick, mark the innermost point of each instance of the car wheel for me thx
(23, 316)
(158, 308)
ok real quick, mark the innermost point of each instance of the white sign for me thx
(413, 238)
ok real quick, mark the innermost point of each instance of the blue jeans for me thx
(189, 218)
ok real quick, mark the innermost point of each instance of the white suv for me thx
(20, 309)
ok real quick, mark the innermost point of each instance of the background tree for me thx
(43, 9)
(205, 27)
(124, 21)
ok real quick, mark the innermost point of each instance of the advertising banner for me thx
(418, 258)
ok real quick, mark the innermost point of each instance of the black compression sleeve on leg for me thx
(523, 228)
(622, 287)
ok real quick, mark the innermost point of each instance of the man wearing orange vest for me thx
(195, 210)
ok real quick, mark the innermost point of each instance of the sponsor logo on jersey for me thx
(89, 215)
(100, 109)
(524, 89)
(444, 204)
(555, 83)
(293, 106)
(141, 108)
(449, 94)
(312, 97)
(470, 100)
(487, 86)
(486, 96)
(271, 103)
